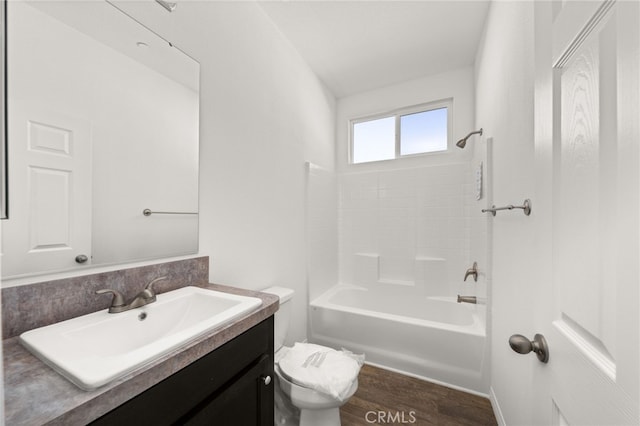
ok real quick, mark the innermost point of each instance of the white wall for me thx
(263, 115)
(504, 108)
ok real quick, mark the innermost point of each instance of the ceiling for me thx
(356, 46)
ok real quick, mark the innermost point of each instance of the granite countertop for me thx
(35, 394)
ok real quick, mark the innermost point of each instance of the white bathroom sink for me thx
(95, 349)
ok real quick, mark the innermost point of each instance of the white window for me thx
(410, 131)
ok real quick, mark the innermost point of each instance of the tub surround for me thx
(36, 394)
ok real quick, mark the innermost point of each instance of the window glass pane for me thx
(423, 132)
(374, 140)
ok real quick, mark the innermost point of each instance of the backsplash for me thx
(35, 305)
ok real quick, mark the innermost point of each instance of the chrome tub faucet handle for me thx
(473, 271)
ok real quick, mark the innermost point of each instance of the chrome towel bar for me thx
(526, 206)
(148, 212)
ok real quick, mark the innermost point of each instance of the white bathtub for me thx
(395, 327)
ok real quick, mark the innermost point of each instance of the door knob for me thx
(266, 379)
(538, 345)
(81, 258)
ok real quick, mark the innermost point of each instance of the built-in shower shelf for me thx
(406, 283)
(370, 255)
(430, 259)
(368, 271)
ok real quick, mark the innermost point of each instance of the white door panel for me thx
(50, 191)
(593, 332)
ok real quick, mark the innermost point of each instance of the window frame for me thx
(397, 114)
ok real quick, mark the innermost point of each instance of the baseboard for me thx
(497, 412)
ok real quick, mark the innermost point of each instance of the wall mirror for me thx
(102, 124)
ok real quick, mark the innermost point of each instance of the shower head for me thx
(462, 142)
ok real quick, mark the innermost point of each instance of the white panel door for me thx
(593, 332)
(50, 191)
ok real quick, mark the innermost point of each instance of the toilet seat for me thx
(306, 398)
(319, 368)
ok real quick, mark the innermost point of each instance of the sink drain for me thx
(142, 316)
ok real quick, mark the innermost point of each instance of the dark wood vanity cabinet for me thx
(232, 385)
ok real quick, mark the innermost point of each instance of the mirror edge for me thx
(4, 208)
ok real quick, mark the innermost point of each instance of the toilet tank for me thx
(282, 317)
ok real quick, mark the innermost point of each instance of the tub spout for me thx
(467, 299)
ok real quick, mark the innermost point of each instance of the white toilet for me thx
(316, 408)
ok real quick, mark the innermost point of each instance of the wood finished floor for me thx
(388, 392)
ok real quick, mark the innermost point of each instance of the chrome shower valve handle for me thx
(473, 271)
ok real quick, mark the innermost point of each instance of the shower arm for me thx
(476, 132)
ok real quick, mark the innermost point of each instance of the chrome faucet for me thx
(145, 297)
(472, 271)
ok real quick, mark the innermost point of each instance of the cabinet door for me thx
(248, 400)
(177, 399)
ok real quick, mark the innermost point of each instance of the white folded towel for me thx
(323, 369)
